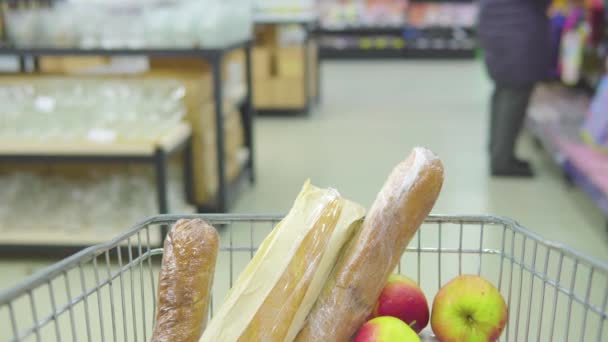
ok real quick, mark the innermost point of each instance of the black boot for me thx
(516, 168)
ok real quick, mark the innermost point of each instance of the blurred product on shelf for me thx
(595, 128)
(580, 42)
(557, 118)
(442, 15)
(384, 13)
(284, 7)
(108, 25)
(416, 29)
(80, 200)
(93, 110)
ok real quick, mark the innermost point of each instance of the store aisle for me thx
(373, 113)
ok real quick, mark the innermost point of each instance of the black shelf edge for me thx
(371, 54)
(152, 52)
(390, 31)
(362, 31)
(286, 111)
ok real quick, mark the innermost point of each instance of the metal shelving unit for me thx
(155, 153)
(214, 57)
(309, 24)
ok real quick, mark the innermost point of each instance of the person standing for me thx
(515, 37)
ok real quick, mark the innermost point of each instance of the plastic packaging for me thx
(185, 281)
(279, 286)
(110, 25)
(94, 110)
(361, 272)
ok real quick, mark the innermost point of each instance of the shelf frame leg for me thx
(160, 166)
(307, 67)
(318, 62)
(188, 172)
(249, 114)
(218, 99)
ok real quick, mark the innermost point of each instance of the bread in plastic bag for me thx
(288, 272)
(373, 253)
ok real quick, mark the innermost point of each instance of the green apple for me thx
(468, 308)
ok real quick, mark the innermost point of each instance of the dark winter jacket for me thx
(515, 37)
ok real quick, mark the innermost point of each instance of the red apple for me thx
(403, 299)
(386, 329)
(469, 308)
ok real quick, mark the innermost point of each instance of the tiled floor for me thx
(371, 115)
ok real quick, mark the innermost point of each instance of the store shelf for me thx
(413, 53)
(41, 242)
(390, 30)
(278, 19)
(43, 149)
(233, 187)
(589, 171)
(214, 56)
(363, 31)
(151, 52)
(557, 128)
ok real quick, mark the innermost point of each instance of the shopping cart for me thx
(107, 292)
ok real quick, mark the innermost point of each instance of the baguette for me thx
(360, 273)
(279, 286)
(185, 281)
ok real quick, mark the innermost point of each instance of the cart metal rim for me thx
(41, 277)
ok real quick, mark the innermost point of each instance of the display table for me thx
(214, 56)
(156, 153)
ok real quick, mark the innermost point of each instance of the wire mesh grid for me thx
(108, 292)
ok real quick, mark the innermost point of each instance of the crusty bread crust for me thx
(185, 281)
(371, 256)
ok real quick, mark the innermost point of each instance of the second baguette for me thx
(186, 277)
(371, 256)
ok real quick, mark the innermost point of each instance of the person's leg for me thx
(493, 113)
(511, 107)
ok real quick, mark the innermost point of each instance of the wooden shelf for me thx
(169, 141)
(82, 237)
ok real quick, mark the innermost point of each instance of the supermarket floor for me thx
(371, 115)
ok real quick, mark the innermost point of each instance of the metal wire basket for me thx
(108, 292)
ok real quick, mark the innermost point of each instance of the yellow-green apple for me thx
(386, 329)
(468, 308)
(403, 299)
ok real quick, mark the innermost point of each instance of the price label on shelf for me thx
(45, 104)
(101, 135)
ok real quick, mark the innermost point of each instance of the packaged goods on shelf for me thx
(595, 127)
(80, 200)
(92, 110)
(284, 7)
(558, 115)
(336, 14)
(178, 24)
